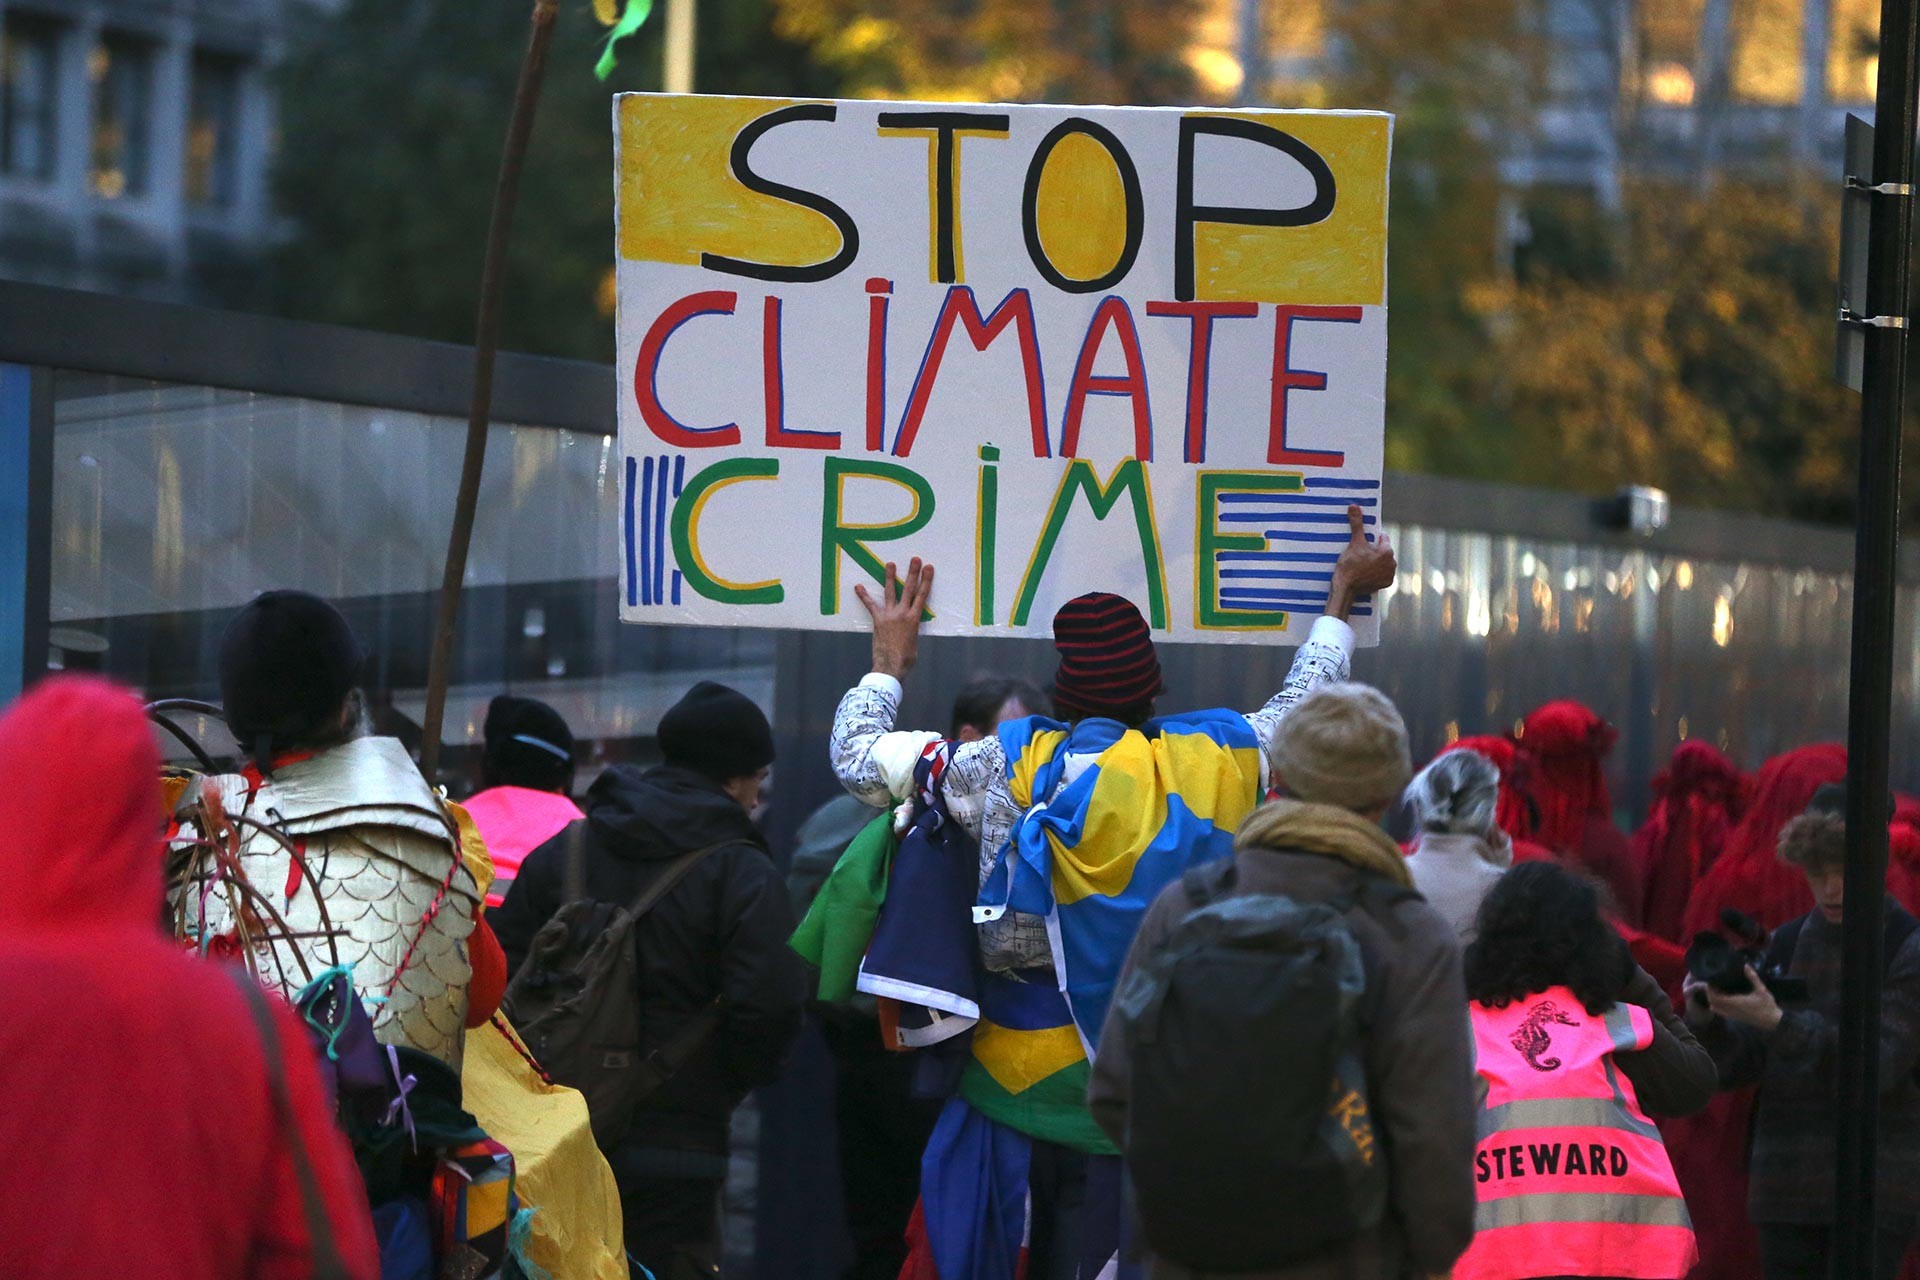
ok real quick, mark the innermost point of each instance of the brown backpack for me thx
(575, 1000)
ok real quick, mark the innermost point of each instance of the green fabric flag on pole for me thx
(632, 18)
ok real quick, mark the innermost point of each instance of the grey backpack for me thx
(1250, 1140)
(575, 1000)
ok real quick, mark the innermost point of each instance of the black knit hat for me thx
(1107, 659)
(528, 744)
(718, 732)
(288, 661)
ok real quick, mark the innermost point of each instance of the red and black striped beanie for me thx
(1107, 658)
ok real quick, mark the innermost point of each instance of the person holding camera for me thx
(1785, 1038)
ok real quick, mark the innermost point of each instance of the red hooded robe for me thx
(1565, 743)
(138, 1133)
(1697, 800)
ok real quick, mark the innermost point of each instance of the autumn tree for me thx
(392, 114)
(1099, 51)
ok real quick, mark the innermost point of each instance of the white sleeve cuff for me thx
(1327, 630)
(887, 684)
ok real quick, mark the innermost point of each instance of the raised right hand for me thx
(1363, 568)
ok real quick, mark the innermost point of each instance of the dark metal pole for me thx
(1870, 694)
(486, 342)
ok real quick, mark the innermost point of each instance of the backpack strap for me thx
(1210, 881)
(676, 871)
(665, 1060)
(327, 1264)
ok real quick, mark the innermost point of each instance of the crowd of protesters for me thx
(1110, 992)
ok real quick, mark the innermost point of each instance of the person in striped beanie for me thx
(1105, 800)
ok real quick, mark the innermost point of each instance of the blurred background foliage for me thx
(1675, 330)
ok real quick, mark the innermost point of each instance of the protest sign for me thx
(1050, 349)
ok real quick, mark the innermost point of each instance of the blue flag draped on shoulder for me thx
(1091, 855)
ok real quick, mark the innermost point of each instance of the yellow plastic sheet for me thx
(576, 1227)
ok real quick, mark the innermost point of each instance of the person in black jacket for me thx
(721, 932)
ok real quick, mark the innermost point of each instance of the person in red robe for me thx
(1566, 744)
(1698, 798)
(1709, 1149)
(161, 1116)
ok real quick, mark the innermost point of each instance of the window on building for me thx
(1669, 51)
(1853, 50)
(29, 66)
(121, 69)
(1764, 67)
(213, 132)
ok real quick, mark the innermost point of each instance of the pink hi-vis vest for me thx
(1572, 1177)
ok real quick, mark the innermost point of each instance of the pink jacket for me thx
(515, 821)
(1573, 1178)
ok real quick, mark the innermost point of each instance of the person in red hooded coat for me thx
(1698, 798)
(140, 1131)
(1710, 1149)
(1565, 745)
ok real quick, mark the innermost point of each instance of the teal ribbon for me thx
(632, 18)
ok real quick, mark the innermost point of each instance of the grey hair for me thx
(1458, 794)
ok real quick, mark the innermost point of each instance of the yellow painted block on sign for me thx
(679, 197)
(1341, 261)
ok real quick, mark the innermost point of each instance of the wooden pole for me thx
(486, 342)
(681, 22)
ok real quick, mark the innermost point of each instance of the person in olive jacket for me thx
(720, 933)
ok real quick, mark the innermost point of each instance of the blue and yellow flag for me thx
(1090, 856)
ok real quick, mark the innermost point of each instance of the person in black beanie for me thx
(719, 935)
(289, 670)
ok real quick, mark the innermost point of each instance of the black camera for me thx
(1721, 962)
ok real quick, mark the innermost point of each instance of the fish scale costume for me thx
(385, 854)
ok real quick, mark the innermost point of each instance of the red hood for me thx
(81, 849)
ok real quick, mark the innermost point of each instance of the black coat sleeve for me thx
(1675, 1075)
(531, 900)
(762, 978)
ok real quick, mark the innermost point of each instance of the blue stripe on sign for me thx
(1298, 517)
(1303, 575)
(1320, 482)
(1282, 557)
(1306, 499)
(1254, 600)
(1272, 597)
(646, 530)
(1294, 535)
(660, 536)
(679, 483)
(633, 573)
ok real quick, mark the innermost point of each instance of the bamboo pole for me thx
(486, 343)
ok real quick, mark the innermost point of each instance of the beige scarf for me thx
(1325, 829)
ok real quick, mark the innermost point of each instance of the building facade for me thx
(1612, 88)
(135, 139)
